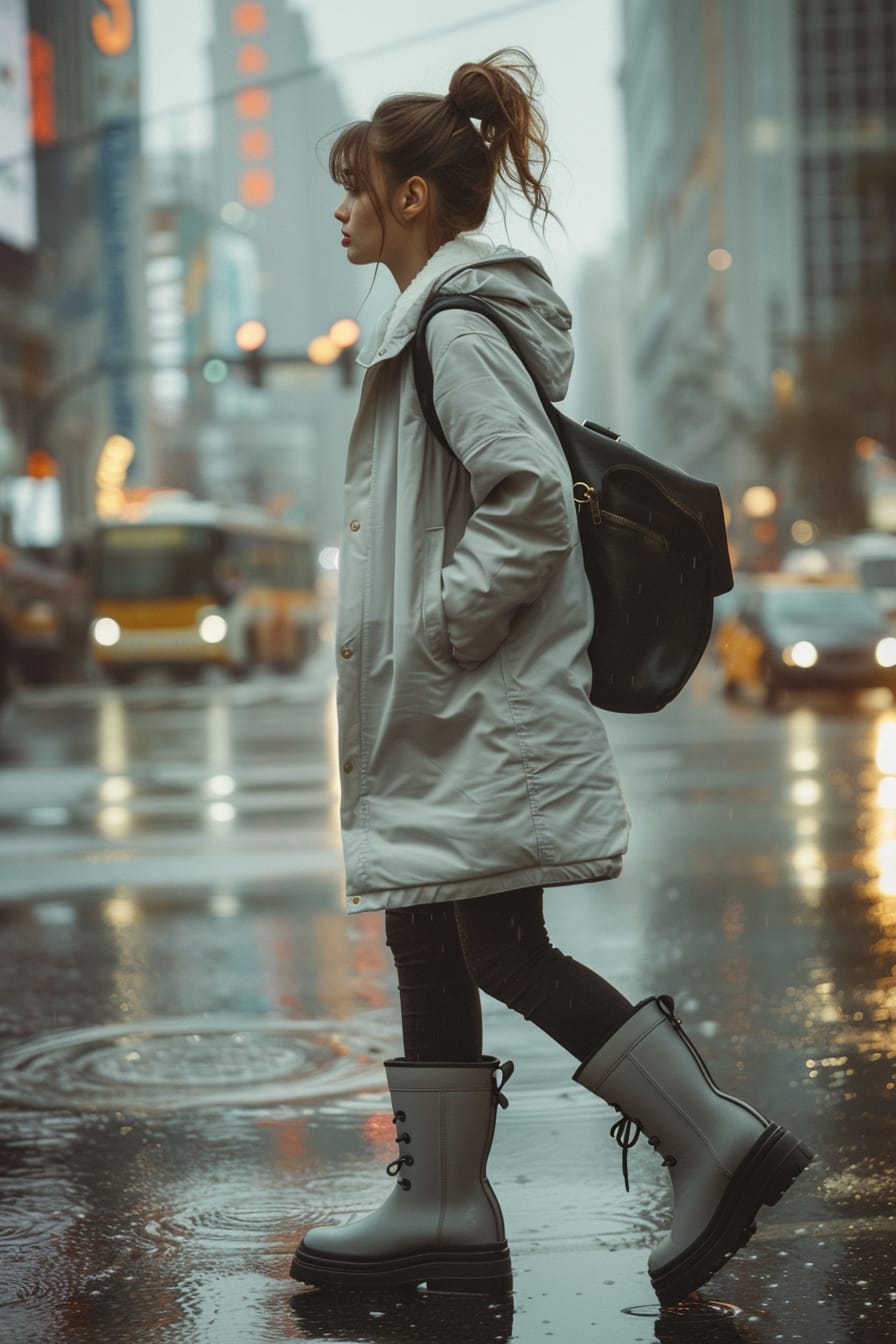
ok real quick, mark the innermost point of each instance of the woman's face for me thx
(362, 232)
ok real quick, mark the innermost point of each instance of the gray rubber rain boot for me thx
(724, 1158)
(441, 1223)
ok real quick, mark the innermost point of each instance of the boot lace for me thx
(627, 1131)
(506, 1072)
(406, 1159)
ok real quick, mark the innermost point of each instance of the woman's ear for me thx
(413, 197)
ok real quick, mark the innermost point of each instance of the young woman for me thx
(475, 771)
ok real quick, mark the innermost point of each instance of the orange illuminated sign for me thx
(43, 98)
(113, 29)
(253, 104)
(249, 18)
(255, 143)
(40, 464)
(251, 59)
(257, 186)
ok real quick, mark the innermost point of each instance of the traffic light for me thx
(347, 360)
(344, 334)
(250, 338)
(253, 364)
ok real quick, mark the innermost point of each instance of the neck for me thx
(409, 262)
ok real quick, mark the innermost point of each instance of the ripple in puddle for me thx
(27, 1213)
(702, 1315)
(181, 1064)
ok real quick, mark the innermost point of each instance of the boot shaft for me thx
(445, 1121)
(652, 1072)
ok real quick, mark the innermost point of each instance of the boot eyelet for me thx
(405, 1184)
(403, 1138)
(408, 1160)
(399, 1118)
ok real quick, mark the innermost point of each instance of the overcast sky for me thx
(575, 44)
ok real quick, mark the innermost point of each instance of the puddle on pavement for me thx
(438, 1318)
(177, 1064)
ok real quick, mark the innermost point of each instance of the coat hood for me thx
(515, 283)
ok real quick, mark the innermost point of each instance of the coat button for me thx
(355, 525)
(346, 651)
(356, 900)
(348, 767)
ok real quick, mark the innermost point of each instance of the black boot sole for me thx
(765, 1174)
(484, 1269)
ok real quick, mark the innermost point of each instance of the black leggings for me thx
(444, 954)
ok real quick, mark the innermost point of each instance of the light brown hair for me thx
(433, 137)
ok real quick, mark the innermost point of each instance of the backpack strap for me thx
(423, 376)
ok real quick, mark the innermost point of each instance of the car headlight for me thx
(213, 629)
(106, 632)
(885, 653)
(801, 654)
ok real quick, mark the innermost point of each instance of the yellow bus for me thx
(189, 584)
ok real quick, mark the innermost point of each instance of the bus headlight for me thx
(801, 654)
(106, 632)
(885, 653)
(213, 629)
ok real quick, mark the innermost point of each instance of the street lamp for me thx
(323, 350)
(759, 501)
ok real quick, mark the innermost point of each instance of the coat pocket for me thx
(433, 613)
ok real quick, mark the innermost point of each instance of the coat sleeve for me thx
(522, 524)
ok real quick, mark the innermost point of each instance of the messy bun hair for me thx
(435, 138)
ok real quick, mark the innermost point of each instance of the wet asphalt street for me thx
(191, 1029)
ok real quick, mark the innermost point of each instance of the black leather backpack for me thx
(653, 542)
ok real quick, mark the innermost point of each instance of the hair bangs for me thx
(350, 157)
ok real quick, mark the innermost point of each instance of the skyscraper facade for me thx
(274, 107)
(274, 110)
(746, 125)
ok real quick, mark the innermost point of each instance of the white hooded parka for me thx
(472, 760)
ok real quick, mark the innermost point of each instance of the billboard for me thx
(18, 215)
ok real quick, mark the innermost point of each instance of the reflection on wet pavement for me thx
(191, 1032)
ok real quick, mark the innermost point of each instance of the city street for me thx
(192, 1030)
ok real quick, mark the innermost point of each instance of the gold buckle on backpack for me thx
(588, 496)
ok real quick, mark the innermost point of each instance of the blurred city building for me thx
(71, 295)
(601, 383)
(125, 273)
(747, 127)
(283, 444)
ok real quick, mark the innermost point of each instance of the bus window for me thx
(154, 562)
